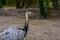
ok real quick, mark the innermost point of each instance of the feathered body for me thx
(15, 33)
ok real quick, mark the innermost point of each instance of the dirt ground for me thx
(39, 29)
(46, 29)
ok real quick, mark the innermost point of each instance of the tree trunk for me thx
(27, 3)
(19, 3)
(55, 4)
(1, 4)
(42, 9)
(47, 7)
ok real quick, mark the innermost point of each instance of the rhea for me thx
(15, 33)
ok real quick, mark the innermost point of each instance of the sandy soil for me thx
(48, 29)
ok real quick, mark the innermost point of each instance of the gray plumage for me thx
(15, 33)
(12, 33)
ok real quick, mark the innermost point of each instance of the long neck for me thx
(26, 20)
(26, 24)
